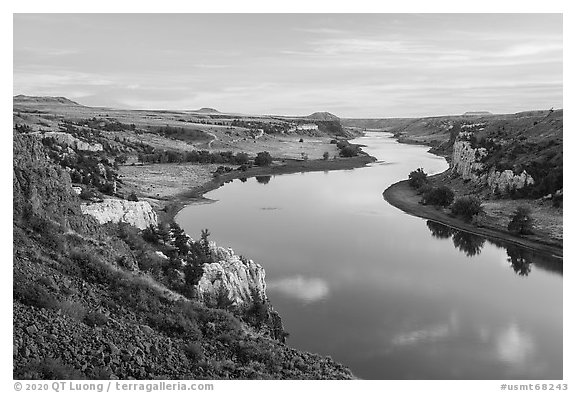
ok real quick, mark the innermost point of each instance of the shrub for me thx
(50, 368)
(91, 268)
(438, 196)
(132, 197)
(521, 221)
(86, 194)
(417, 178)
(326, 155)
(150, 235)
(242, 158)
(263, 159)
(33, 294)
(467, 207)
(194, 352)
(349, 151)
(178, 321)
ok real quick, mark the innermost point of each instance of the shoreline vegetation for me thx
(405, 198)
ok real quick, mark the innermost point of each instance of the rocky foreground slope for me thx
(100, 301)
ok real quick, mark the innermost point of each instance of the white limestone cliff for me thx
(139, 214)
(71, 141)
(466, 163)
(465, 160)
(239, 280)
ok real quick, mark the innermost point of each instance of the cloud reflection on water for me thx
(308, 290)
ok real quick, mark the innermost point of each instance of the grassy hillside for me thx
(96, 302)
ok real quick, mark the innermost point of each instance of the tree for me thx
(180, 239)
(467, 207)
(349, 151)
(149, 234)
(417, 178)
(205, 243)
(263, 159)
(521, 221)
(241, 158)
(163, 233)
(438, 196)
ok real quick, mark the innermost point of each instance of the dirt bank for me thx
(403, 197)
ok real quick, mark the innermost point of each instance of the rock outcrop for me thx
(466, 162)
(69, 140)
(506, 180)
(238, 279)
(139, 214)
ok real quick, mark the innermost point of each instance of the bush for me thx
(91, 268)
(521, 221)
(132, 197)
(194, 352)
(438, 196)
(467, 207)
(180, 320)
(263, 159)
(242, 158)
(326, 155)
(417, 178)
(33, 294)
(86, 194)
(50, 368)
(349, 151)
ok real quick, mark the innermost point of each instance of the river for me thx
(389, 295)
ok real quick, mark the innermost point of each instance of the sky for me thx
(352, 65)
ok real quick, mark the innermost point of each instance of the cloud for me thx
(26, 80)
(321, 30)
(308, 290)
(46, 51)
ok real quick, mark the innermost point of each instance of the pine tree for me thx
(205, 242)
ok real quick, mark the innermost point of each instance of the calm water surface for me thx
(389, 295)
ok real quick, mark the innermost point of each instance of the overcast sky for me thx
(353, 65)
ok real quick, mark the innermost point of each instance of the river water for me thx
(389, 295)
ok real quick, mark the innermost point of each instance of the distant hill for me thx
(23, 99)
(477, 113)
(324, 116)
(207, 110)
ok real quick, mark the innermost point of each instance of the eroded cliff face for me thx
(239, 280)
(69, 140)
(139, 214)
(466, 162)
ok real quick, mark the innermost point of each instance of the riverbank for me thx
(170, 187)
(401, 196)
